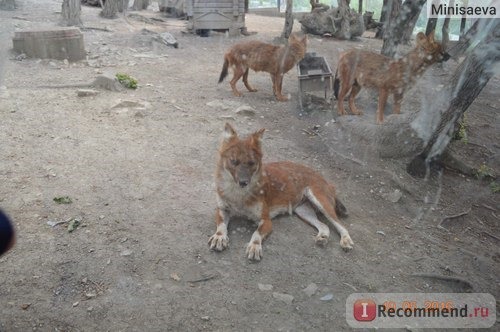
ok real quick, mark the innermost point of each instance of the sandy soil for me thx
(140, 179)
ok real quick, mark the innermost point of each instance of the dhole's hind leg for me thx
(277, 87)
(321, 199)
(344, 88)
(382, 100)
(398, 97)
(237, 73)
(220, 241)
(307, 213)
(354, 92)
(245, 81)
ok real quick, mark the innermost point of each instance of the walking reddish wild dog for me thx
(357, 69)
(259, 56)
(247, 187)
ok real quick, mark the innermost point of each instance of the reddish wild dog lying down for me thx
(357, 69)
(259, 56)
(249, 188)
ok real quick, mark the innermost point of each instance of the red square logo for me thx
(364, 310)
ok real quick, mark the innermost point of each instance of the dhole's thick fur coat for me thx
(247, 187)
(259, 56)
(357, 69)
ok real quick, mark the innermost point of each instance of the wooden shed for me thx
(216, 15)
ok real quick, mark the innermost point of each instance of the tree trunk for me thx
(360, 6)
(140, 4)
(386, 8)
(7, 4)
(431, 25)
(122, 6)
(344, 14)
(463, 21)
(466, 84)
(445, 39)
(399, 23)
(414, 9)
(465, 41)
(287, 29)
(110, 8)
(71, 10)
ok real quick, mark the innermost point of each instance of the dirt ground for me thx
(140, 180)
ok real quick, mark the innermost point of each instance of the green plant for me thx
(63, 200)
(484, 172)
(461, 131)
(495, 187)
(127, 81)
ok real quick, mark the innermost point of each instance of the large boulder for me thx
(323, 20)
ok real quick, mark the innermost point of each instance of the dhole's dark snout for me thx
(243, 177)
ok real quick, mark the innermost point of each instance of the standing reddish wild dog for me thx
(247, 187)
(358, 68)
(259, 56)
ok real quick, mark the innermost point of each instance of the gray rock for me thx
(311, 289)
(288, 299)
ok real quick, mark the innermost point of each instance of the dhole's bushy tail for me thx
(340, 209)
(223, 73)
(336, 85)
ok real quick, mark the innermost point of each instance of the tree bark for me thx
(386, 8)
(445, 32)
(71, 10)
(465, 41)
(344, 14)
(287, 29)
(110, 8)
(7, 4)
(140, 4)
(467, 82)
(401, 20)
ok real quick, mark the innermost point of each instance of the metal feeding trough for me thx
(314, 75)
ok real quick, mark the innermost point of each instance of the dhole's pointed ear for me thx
(257, 137)
(430, 37)
(421, 38)
(229, 132)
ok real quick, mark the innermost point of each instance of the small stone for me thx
(310, 289)
(76, 304)
(126, 252)
(395, 196)
(25, 306)
(245, 110)
(86, 92)
(265, 287)
(205, 318)
(327, 297)
(288, 299)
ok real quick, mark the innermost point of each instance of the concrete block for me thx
(57, 43)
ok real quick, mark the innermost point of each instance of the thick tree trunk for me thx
(465, 41)
(401, 20)
(467, 82)
(140, 4)
(7, 4)
(110, 8)
(71, 10)
(287, 29)
(123, 6)
(446, 29)
(344, 15)
(384, 13)
(431, 25)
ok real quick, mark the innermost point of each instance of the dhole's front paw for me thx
(321, 240)
(346, 242)
(254, 251)
(219, 241)
(282, 98)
